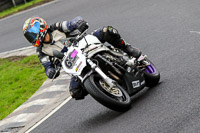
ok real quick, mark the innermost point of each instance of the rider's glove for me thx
(50, 72)
(57, 63)
(82, 26)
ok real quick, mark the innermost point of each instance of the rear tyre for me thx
(151, 75)
(116, 98)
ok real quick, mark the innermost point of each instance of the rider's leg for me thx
(112, 36)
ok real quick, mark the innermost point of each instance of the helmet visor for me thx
(32, 33)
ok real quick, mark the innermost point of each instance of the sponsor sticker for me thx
(136, 84)
(78, 66)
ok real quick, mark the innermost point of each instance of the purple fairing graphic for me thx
(74, 53)
(150, 69)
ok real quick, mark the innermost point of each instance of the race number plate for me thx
(74, 61)
(71, 59)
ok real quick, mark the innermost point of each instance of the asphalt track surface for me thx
(167, 31)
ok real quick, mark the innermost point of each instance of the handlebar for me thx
(79, 37)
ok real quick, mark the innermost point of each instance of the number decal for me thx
(71, 59)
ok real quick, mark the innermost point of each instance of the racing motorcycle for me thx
(108, 74)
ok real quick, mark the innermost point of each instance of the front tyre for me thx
(115, 98)
(151, 75)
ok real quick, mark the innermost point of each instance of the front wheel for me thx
(115, 98)
(151, 75)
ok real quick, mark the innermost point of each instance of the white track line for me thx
(50, 114)
(197, 32)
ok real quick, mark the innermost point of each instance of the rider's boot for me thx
(133, 51)
(129, 49)
(76, 90)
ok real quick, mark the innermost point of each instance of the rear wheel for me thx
(115, 98)
(151, 75)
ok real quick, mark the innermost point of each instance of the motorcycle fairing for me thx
(91, 46)
(134, 82)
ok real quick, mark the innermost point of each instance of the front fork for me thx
(108, 80)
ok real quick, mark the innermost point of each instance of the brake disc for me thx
(115, 91)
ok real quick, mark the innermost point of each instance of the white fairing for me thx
(90, 40)
(92, 46)
(75, 59)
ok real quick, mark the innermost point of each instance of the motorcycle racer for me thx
(57, 37)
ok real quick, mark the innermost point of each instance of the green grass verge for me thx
(18, 8)
(20, 77)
